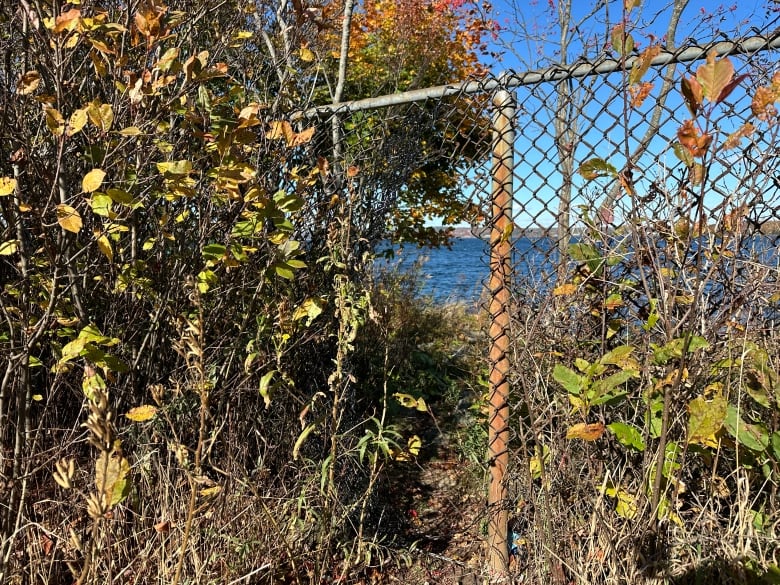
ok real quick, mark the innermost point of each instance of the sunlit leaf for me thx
(92, 180)
(68, 218)
(413, 445)
(567, 378)
(175, 167)
(142, 413)
(302, 439)
(627, 435)
(622, 42)
(281, 130)
(714, 76)
(303, 137)
(642, 63)
(28, 83)
(585, 431)
(622, 357)
(762, 104)
(8, 247)
(625, 502)
(309, 309)
(595, 168)
(565, 289)
(105, 247)
(7, 186)
(265, 387)
(409, 401)
(693, 140)
(54, 121)
(130, 131)
(67, 21)
(101, 115)
(638, 93)
(306, 54)
(167, 59)
(539, 461)
(705, 419)
(77, 121)
(692, 93)
(735, 138)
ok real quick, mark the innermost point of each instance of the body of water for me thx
(460, 273)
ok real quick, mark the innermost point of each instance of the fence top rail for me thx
(510, 79)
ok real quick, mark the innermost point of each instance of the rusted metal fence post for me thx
(500, 267)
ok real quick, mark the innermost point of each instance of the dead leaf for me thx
(585, 431)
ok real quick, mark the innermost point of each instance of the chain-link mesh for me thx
(633, 272)
(632, 289)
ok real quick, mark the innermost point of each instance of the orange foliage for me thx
(406, 44)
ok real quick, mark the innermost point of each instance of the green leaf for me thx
(567, 378)
(627, 435)
(621, 357)
(213, 252)
(101, 204)
(775, 442)
(602, 390)
(753, 436)
(284, 270)
(301, 440)
(674, 349)
(622, 42)
(265, 387)
(671, 461)
(595, 168)
(206, 279)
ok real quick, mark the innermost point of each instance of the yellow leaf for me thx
(111, 470)
(625, 502)
(141, 413)
(8, 247)
(306, 55)
(413, 445)
(54, 121)
(281, 130)
(7, 186)
(101, 115)
(68, 218)
(130, 131)
(585, 431)
(28, 83)
(92, 180)
(105, 247)
(78, 120)
(564, 289)
(211, 491)
(175, 167)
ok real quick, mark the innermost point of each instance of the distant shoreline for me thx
(466, 232)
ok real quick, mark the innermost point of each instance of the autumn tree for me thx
(399, 46)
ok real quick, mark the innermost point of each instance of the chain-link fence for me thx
(632, 208)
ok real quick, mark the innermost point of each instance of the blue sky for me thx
(536, 178)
